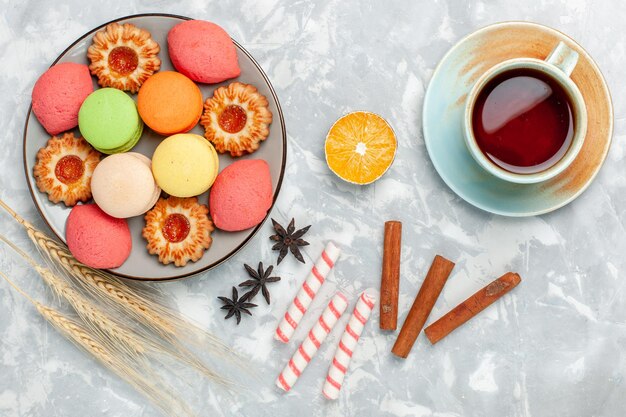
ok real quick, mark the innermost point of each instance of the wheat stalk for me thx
(91, 314)
(162, 398)
(134, 343)
(145, 307)
(160, 394)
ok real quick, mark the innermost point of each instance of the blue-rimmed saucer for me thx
(443, 115)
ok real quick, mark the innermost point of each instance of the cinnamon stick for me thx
(422, 306)
(390, 279)
(472, 306)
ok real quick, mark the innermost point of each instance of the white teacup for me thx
(558, 67)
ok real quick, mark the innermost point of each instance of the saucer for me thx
(443, 116)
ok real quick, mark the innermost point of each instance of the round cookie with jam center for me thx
(178, 230)
(123, 56)
(170, 103)
(64, 169)
(236, 119)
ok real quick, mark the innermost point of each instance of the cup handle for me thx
(564, 58)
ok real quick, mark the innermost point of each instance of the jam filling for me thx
(123, 60)
(69, 169)
(233, 119)
(176, 228)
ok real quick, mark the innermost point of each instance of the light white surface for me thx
(553, 346)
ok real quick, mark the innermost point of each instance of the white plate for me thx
(140, 264)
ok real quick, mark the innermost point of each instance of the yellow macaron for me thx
(185, 165)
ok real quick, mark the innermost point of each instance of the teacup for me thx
(555, 71)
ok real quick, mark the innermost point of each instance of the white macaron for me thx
(123, 186)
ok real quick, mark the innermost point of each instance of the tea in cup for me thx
(525, 119)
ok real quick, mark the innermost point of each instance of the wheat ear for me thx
(134, 343)
(162, 397)
(91, 315)
(141, 305)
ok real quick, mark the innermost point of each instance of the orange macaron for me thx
(169, 103)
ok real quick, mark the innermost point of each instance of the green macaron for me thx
(127, 146)
(108, 119)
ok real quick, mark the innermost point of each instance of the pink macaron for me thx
(58, 95)
(241, 195)
(203, 51)
(97, 239)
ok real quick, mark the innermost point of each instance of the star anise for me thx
(289, 240)
(258, 282)
(236, 305)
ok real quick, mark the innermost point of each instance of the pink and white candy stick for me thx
(309, 289)
(311, 344)
(347, 344)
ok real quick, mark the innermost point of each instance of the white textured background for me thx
(552, 347)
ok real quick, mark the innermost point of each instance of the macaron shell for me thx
(123, 185)
(143, 158)
(215, 161)
(241, 195)
(58, 95)
(97, 239)
(203, 51)
(157, 190)
(185, 165)
(170, 103)
(128, 146)
(108, 119)
(152, 202)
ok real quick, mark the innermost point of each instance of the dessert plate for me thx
(141, 265)
(443, 115)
